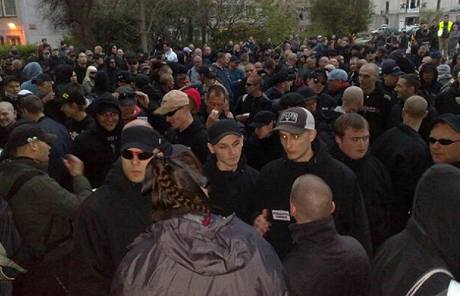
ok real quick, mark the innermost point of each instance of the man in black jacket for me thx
(305, 154)
(406, 156)
(232, 182)
(352, 149)
(99, 147)
(113, 216)
(322, 262)
(186, 130)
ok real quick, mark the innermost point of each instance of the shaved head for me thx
(416, 107)
(311, 199)
(137, 122)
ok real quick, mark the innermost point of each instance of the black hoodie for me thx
(99, 148)
(231, 192)
(109, 220)
(274, 188)
(430, 240)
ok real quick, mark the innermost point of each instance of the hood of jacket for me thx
(223, 246)
(436, 216)
(32, 70)
(112, 103)
(116, 178)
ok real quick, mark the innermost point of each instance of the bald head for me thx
(311, 199)
(7, 106)
(372, 69)
(415, 107)
(137, 122)
(353, 99)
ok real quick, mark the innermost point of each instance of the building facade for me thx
(22, 22)
(401, 13)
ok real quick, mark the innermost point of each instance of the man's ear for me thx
(211, 148)
(333, 208)
(292, 209)
(338, 140)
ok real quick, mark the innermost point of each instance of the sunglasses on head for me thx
(170, 114)
(128, 154)
(443, 142)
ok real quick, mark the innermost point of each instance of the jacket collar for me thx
(315, 232)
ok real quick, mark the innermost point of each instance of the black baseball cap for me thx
(262, 118)
(223, 128)
(43, 77)
(282, 76)
(124, 76)
(140, 137)
(389, 66)
(450, 119)
(72, 97)
(25, 134)
(127, 96)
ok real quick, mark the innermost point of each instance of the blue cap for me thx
(337, 74)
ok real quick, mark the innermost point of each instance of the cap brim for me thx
(290, 129)
(257, 124)
(143, 147)
(455, 126)
(162, 110)
(221, 136)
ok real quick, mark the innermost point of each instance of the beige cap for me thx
(172, 101)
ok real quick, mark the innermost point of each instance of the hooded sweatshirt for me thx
(181, 256)
(430, 239)
(31, 71)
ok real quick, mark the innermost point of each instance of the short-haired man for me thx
(408, 85)
(405, 155)
(253, 101)
(7, 119)
(232, 182)
(324, 262)
(445, 139)
(113, 216)
(263, 145)
(41, 207)
(352, 149)
(305, 154)
(193, 72)
(352, 100)
(377, 105)
(447, 101)
(221, 70)
(217, 106)
(12, 86)
(390, 75)
(185, 129)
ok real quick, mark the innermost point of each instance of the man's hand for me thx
(48, 97)
(143, 99)
(212, 118)
(261, 223)
(74, 165)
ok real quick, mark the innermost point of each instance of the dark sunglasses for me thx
(443, 142)
(170, 114)
(128, 154)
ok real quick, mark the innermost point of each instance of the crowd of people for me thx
(317, 167)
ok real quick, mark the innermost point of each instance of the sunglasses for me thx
(443, 142)
(128, 154)
(170, 114)
(249, 84)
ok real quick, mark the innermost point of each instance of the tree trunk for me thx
(438, 5)
(142, 24)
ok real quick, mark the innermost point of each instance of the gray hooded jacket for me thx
(180, 256)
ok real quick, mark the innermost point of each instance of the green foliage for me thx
(342, 17)
(280, 21)
(24, 51)
(430, 16)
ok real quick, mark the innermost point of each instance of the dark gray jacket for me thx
(180, 256)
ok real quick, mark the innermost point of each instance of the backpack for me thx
(9, 235)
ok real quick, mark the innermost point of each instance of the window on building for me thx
(413, 4)
(13, 40)
(8, 8)
(387, 6)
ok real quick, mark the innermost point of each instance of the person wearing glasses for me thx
(405, 154)
(445, 139)
(113, 215)
(99, 147)
(185, 129)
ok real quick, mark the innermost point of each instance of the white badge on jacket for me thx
(281, 215)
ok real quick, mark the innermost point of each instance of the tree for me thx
(341, 17)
